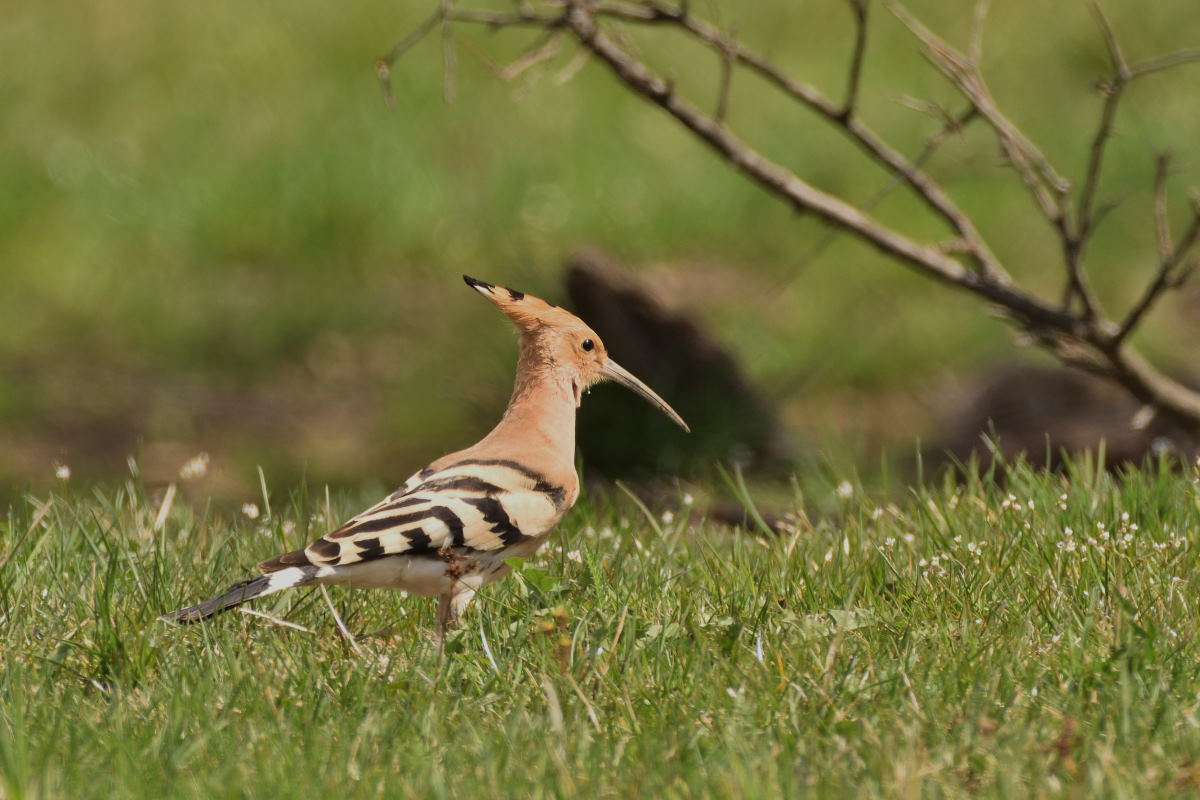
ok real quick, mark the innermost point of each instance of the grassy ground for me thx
(1036, 639)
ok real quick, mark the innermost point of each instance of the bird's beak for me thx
(613, 370)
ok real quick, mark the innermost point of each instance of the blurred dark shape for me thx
(1046, 413)
(619, 434)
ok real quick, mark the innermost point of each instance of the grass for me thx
(1033, 635)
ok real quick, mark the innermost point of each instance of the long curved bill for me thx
(613, 370)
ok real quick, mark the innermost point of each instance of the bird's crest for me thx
(527, 312)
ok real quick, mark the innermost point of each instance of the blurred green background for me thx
(216, 236)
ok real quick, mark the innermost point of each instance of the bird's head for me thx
(560, 344)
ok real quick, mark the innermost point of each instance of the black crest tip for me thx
(475, 283)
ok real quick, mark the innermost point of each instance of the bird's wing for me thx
(480, 504)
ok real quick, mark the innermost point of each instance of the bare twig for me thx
(1162, 225)
(726, 82)
(1164, 62)
(975, 51)
(573, 66)
(448, 62)
(951, 126)
(1044, 182)
(1171, 272)
(388, 59)
(654, 12)
(1112, 89)
(543, 49)
(1035, 170)
(859, 7)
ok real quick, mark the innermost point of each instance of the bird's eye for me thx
(588, 345)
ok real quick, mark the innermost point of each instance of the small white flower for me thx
(195, 467)
(575, 555)
(828, 556)
(890, 541)
(250, 510)
(909, 538)
(845, 490)
(668, 517)
(62, 472)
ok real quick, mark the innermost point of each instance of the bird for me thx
(452, 526)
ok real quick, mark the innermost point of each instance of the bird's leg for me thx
(446, 618)
(450, 608)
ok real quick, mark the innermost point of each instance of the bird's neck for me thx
(540, 418)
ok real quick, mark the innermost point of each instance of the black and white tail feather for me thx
(241, 592)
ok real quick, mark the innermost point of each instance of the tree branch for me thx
(950, 127)
(1171, 273)
(925, 188)
(859, 7)
(1086, 339)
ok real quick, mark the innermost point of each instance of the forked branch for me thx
(1075, 328)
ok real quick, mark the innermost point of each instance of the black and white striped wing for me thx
(477, 504)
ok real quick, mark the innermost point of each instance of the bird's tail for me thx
(242, 591)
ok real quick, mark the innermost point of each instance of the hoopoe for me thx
(448, 530)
